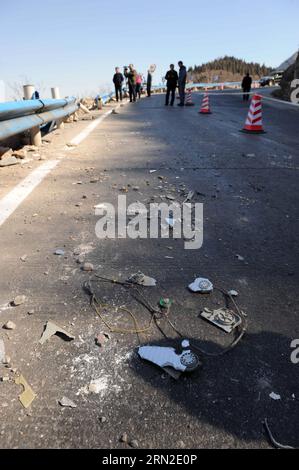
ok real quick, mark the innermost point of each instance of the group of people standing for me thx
(134, 81)
(173, 79)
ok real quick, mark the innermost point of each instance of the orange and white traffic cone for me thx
(189, 101)
(205, 106)
(254, 121)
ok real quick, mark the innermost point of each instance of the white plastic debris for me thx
(201, 285)
(275, 396)
(167, 357)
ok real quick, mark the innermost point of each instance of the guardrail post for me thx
(56, 95)
(35, 134)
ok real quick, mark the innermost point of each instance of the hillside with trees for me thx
(227, 69)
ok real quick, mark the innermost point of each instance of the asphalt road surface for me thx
(248, 185)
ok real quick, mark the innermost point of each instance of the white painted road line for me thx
(10, 202)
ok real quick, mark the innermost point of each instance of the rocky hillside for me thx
(285, 86)
(227, 69)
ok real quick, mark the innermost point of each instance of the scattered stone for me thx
(133, 443)
(5, 152)
(19, 154)
(23, 258)
(101, 339)
(79, 204)
(135, 188)
(102, 419)
(275, 396)
(233, 293)
(59, 252)
(10, 325)
(87, 267)
(2, 352)
(66, 402)
(97, 385)
(19, 300)
(9, 161)
(30, 312)
(80, 258)
(240, 258)
(124, 438)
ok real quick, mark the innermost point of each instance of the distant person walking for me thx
(138, 85)
(118, 79)
(182, 82)
(149, 83)
(171, 78)
(131, 75)
(246, 85)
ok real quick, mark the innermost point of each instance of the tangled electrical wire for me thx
(156, 314)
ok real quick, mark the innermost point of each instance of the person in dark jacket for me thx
(118, 81)
(149, 83)
(182, 82)
(246, 85)
(171, 78)
(131, 75)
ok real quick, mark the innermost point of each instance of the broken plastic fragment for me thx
(187, 361)
(142, 280)
(52, 329)
(224, 318)
(27, 397)
(201, 285)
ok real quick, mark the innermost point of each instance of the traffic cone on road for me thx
(254, 121)
(205, 106)
(189, 101)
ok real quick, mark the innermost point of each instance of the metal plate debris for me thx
(52, 329)
(224, 318)
(28, 395)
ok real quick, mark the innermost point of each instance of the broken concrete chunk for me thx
(201, 285)
(66, 402)
(2, 352)
(87, 267)
(59, 252)
(27, 397)
(10, 325)
(52, 329)
(19, 300)
(142, 280)
(9, 161)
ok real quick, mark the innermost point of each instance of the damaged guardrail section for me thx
(20, 116)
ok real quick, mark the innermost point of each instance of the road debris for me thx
(224, 318)
(19, 300)
(240, 258)
(66, 402)
(101, 339)
(142, 280)
(187, 361)
(52, 329)
(233, 293)
(2, 352)
(28, 395)
(275, 396)
(98, 385)
(23, 258)
(59, 252)
(275, 443)
(87, 267)
(10, 325)
(202, 285)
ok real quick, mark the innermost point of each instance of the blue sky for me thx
(75, 44)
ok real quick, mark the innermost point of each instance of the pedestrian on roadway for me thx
(118, 79)
(131, 74)
(171, 78)
(182, 82)
(138, 85)
(246, 85)
(149, 83)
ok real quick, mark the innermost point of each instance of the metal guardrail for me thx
(20, 116)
